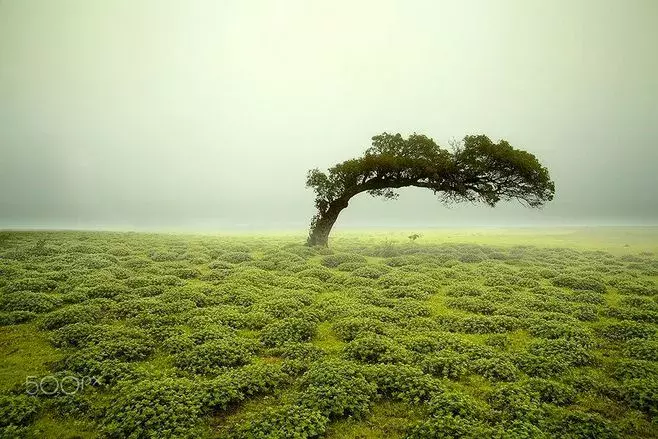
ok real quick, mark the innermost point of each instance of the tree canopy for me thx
(475, 169)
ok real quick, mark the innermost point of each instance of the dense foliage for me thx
(476, 170)
(258, 338)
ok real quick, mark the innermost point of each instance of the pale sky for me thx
(207, 114)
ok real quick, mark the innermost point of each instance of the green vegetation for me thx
(127, 335)
(476, 169)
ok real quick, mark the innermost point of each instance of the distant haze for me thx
(207, 114)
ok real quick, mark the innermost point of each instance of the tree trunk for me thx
(319, 233)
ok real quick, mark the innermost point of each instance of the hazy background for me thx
(207, 113)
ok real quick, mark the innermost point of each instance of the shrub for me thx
(350, 266)
(498, 369)
(540, 366)
(578, 425)
(18, 410)
(126, 344)
(579, 283)
(373, 348)
(627, 330)
(336, 388)
(587, 297)
(167, 408)
(288, 421)
(402, 382)
(500, 341)
(16, 317)
(71, 314)
(300, 351)
(636, 286)
(552, 392)
(236, 257)
(320, 273)
(215, 354)
(451, 403)
(585, 313)
(408, 308)
(449, 427)
(287, 331)
(446, 364)
(464, 290)
(333, 261)
(642, 394)
(280, 307)
(514, 402)
(421, 344)
(474, 305)
(254, 379)
(370, 271)
(107, 290)
(27, 301)
(76, 334)
(518, 429)
(557, 329)
(349, 328)
(32, 284)
(624, 369)
(641, 349)
(569, 351)
(477, 324)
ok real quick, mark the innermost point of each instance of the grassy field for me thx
(519, 333)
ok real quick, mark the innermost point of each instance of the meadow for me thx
(522, 333)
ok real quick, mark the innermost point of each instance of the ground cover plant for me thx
(127, 335)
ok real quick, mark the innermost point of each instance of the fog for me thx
(206, 114)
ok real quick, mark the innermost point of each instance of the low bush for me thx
(540, 366)
(290, 330)
(31, 302)
(333, 261)
(32, 284)
(166, 408)
(578, 425)
(349, 328)
(402, 382)
(571, 352)
(18, 410)
(497, 369)
(579, 283)
(370, 271)
(642, 394)
(71, 314)
(288, 421)
(212, 356)
(627, 330)
(236, 257)
(446, 364)
(373, 348)
(449, 427)
(641, 349)
(552, 392)
(514, 402)
(452, 403)
(258, 378)
(16, 317)
(624, 369)
(336, 388)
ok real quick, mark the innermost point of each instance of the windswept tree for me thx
(475, 169)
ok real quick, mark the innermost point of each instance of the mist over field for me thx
(206, 115)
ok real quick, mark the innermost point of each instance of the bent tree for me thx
(475, 169)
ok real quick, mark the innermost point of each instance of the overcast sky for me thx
(208, 113)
